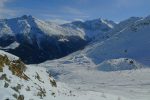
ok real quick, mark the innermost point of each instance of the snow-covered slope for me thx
(38, 39)
(132, 42)
(114, 68)
(118, 65)
(117, 28)
(126, 79)
(125, 23)
(92, 28)
(31, 82)
(46, 40)
(24, 24)
(21, 82)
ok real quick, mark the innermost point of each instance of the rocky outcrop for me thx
(17, 67)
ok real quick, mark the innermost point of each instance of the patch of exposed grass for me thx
(17, 67)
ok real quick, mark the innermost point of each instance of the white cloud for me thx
(71, 10)
(5, 11)
(78, 19)
(2, 3)
(72, 13)
(59, 21)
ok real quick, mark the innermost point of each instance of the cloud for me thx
(71, 10)
(5, 11)
(2, 3)
(59, 21)
(78, 19)
(48, 15)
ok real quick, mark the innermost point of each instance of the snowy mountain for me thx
(35, 41)
(118, 65)
(125, 23)
(117, 28)
(113, 66)
(92, 28)
(30, 38)
(131, 42)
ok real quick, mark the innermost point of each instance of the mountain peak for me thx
(130, 20)
(27, 16)
(148, 17)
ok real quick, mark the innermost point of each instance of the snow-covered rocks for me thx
(119, 65)
(38, 84)
(21, 82)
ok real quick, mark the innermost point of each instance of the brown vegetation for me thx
(17, 67)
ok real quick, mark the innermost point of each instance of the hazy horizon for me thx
(70, 10)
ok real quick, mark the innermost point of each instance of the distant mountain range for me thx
(35, 41)
(130, 40)
(111, 60)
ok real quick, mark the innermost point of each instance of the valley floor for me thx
(98, 85)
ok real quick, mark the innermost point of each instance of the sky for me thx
(70, 10)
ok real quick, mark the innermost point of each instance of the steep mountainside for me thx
(35, 41)
(118, 65)
(93, 28)
(114, 66)
(131, 42)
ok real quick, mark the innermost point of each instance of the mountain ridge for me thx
(41, 40)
